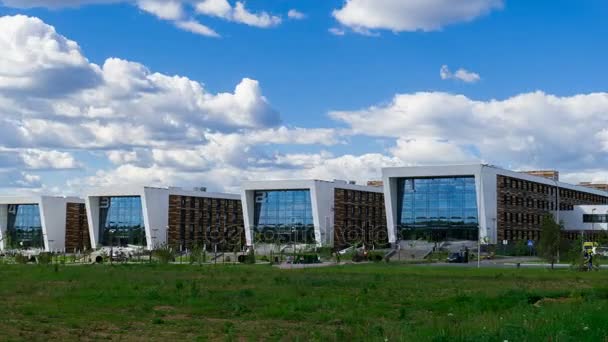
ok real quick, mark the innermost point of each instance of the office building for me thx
(148, 217)
(335, 214)
(43, 223)
(599, 186)
(471, 201)
(587, 221)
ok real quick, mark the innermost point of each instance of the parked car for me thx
(455, 258)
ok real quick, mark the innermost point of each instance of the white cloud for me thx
(154, 128)
(54, 3)
(127, 105)
(410, 15)
(429, 151)
(29, 181)
(336, 31)
(180, 12)
(41, 159)
(163, 9)
(146, 127)
(460, 74)
(534, 129)
(216, 8)
(35, 59)
(295, 14)
(238, 13)
(196, 27)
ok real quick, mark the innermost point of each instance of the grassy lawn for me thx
(357, 302)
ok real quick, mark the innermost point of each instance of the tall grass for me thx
(258, 302)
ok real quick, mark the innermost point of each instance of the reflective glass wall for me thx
(24, 227)
(438, 208)
(283, 216)
(121, 221)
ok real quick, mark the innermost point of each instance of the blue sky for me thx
(305, 72)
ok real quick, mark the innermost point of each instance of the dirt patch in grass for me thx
(163, 308)
(560, 300)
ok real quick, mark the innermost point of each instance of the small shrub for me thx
(246, 293)
(197, 255)
(247, 258)
(325, 252)
(194, 289)
(21, 259)
(179, 285)
(307, 258)
(164, 255)
(375, 256)
(45, 258)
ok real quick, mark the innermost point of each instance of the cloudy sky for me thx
(213, 92)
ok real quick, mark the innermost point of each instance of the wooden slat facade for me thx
(359, 217)
(76, 228)
(206, 223)
(522, 205)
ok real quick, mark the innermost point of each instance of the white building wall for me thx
(52, 218)
(322, 202)
(573, 219)
(483, 186)
(155, 209)
(92, 208)
(486, 189)
(3, 225)
(155, 206)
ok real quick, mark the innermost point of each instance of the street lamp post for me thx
(593, 221)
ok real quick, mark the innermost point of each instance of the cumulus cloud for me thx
(410, 15)
(163, 9)
(41, 159)
(223, 9)
(54, 3)
(145, 127)
(196, 27)
(528, 129)
(127, 105)
(430, 151)
(295, 14)
(37, 60)
(28, 181)
(181, 13)
(460, 74)
(336, 31)
(152, 127)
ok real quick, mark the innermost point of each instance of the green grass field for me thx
(357, 302)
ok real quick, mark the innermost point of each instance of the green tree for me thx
(550, 239)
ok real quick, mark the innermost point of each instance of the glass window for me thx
(441, 204)
(283, 215)
(595, 218)
(121, 221)
(24, 228)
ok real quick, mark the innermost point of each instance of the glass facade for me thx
(595, 218)
(438, 208)
(121, 221)
(24, 227)
(283, 216)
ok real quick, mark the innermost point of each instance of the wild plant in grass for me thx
(164, 254)
(21, 259)
(550, 241)
(197, 255)
(44, 258)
